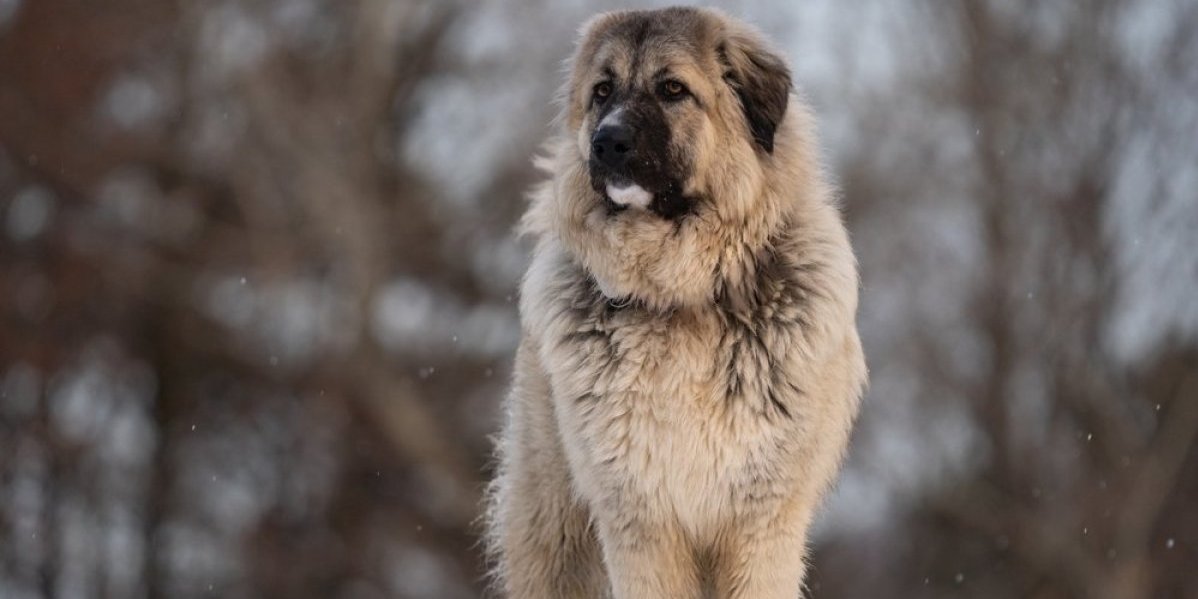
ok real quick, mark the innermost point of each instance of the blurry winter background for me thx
(257, 278)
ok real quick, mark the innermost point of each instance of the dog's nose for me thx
(612, 145)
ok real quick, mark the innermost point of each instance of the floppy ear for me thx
(761, 80)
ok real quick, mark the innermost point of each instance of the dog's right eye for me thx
(601, 92)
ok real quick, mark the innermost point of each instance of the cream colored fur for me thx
(684, 392)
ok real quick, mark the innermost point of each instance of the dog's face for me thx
(657, 98)
(678, 149)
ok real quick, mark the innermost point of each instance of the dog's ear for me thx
(761, 81)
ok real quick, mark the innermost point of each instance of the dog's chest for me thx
(646, 404)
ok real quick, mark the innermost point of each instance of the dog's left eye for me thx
(672, 90)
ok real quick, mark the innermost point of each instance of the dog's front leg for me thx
(646, 561)
(540, 534)
(766, 558)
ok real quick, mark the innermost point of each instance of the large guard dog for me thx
(690, 367)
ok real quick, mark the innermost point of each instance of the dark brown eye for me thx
(602, 91)
(672, 90)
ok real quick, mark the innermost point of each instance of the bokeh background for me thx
(257, 279)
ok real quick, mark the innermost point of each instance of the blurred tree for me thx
(1082, 476)
(216, 203)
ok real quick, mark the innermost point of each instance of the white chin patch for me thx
(632, 195)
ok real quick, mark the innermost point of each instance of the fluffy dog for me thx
(690, 367)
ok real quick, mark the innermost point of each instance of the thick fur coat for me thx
(690, 369)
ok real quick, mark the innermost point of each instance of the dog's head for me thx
(675, 126)
(657, 97)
